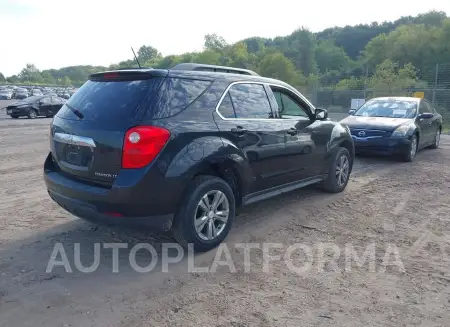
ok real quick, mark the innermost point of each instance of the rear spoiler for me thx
(128, 74)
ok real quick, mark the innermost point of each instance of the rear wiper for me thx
(75, 111)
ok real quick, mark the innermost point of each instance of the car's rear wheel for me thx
(437, 139)
(32, 114)
(411, 152)
(339, 173)
(206, 214)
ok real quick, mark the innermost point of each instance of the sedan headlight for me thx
(402, 130)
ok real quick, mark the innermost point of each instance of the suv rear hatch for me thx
(98, 130)
(87, 134)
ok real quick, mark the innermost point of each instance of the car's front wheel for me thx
(410, 153)
(206, 214)
(339, 172)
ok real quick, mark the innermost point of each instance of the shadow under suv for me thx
(181, 149)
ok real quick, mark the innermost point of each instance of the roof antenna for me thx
(136, 57)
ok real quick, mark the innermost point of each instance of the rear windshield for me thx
(158, 97)
(109, 101)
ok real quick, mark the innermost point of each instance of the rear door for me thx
(45, 106)
(56, 105)
(88, 131)
(434, 122)
(244, 118)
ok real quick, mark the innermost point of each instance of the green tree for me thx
(14, 79)
(66, 81)
(30, 74)
(209, 57)
(330, 57)
(391, 79)
(276, 65)
(2, 78)
(416, 44)
(146, 53)
(214, 42)
(48, 78)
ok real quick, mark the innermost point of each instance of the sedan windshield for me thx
(388, 108)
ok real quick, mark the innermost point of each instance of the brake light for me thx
(110, 75)
(142, 144)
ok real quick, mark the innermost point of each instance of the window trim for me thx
(264, 84)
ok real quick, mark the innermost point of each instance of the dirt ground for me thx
(388, 205)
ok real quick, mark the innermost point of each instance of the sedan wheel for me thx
(409, 155)
(32, 114)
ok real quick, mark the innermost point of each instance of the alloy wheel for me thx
(211, 215)
(342, 170)
(413, 149)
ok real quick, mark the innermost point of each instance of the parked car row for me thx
(182, 149)
(21, 92)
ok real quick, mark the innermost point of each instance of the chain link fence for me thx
(434, 85)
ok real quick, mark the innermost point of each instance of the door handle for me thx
(239, 130)
(292, 131)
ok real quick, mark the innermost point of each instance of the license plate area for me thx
(76, 155)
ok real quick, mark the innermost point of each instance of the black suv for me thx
(181, 149)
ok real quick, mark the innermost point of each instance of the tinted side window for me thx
(56, 100)
(226, 107)
(175, 95)
(250, 101)
(287, 106)
(45, 100)
(428, 107)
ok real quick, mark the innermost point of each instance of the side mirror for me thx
(321, 114)
(426, 115)
(351, 111)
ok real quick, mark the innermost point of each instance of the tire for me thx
(437, 139)
(32, 114)
(410, 154)
(14, 117)
(184, 230)
(338, 177)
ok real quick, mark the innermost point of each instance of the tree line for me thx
(399, 54)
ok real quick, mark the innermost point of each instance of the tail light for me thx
(142, 144)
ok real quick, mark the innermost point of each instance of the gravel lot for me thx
(392, 205)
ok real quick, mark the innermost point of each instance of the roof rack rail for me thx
(213, 68)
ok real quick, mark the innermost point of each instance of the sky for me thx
(59, 33)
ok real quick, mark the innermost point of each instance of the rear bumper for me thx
(382, 146)
(126, 203)
(89, 212)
